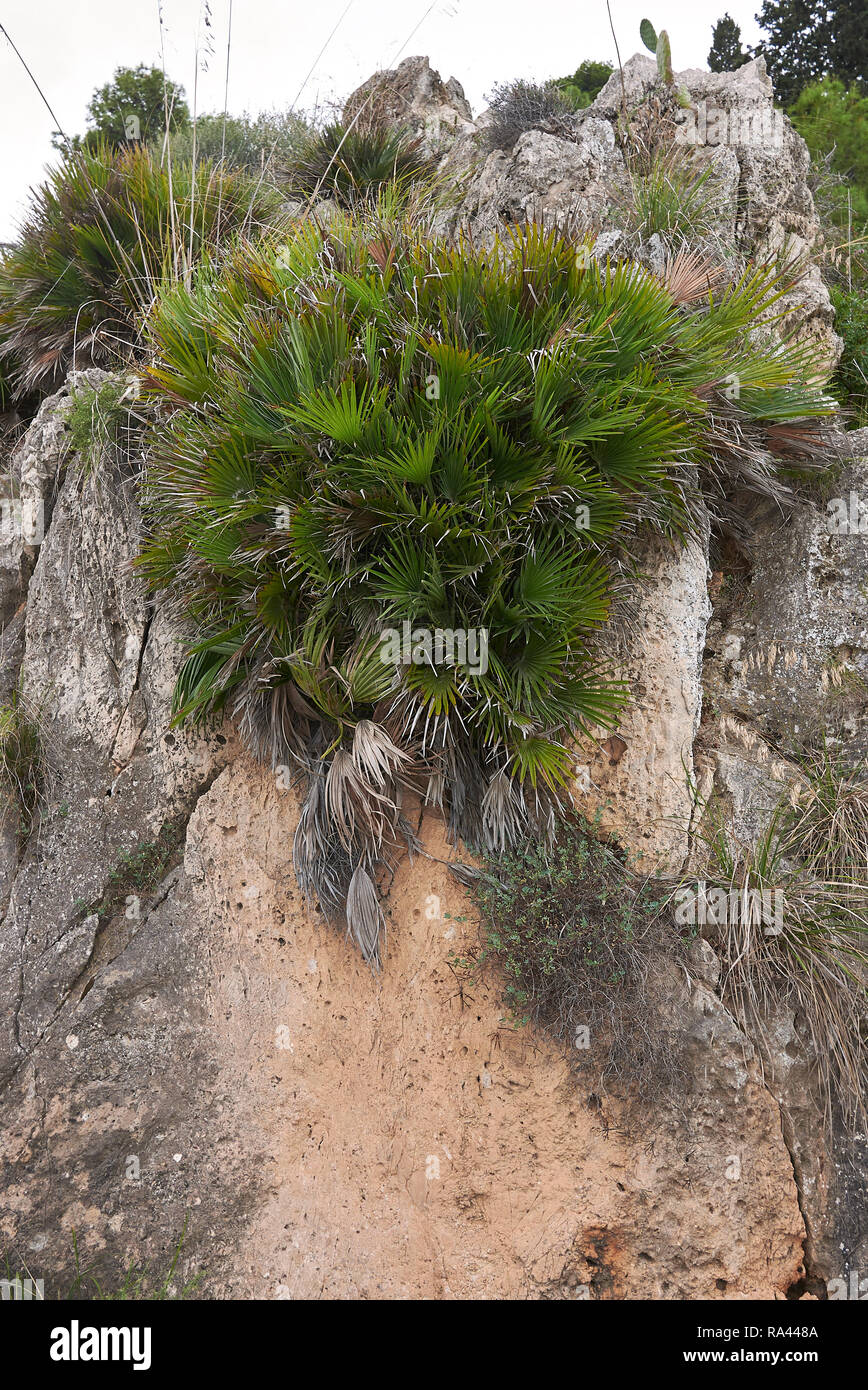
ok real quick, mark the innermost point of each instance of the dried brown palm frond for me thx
(360, 814)
(504, 813)
(469, 875)
(744, 453)
(323, 866)
(545, 813)
(377, 756)
(275, 721)
(805, 440)
(691, 275)
(466, 781)
(365, 920)
(409, 837)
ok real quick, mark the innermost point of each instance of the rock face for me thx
(203, 1046)
(797, 659)
(787, 657)
(181, 1039)
(640, 776)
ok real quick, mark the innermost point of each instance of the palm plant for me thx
(355, 163)
(371, 429)
(101, 235)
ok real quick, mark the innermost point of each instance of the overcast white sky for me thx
(73, 46)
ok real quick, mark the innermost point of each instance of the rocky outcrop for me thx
(637, 781)
(795, 659)
(416, 98)
(183, 1040)
(96, 675)
(760, 167)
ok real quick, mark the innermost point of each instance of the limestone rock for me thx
(414, 96)
(638, 780)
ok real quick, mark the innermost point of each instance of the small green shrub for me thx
(267, 143)
(100, 421)
(104, 232)
(588, 951)
(354, 164)
(586, 83)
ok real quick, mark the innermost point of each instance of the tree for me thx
(588, 80)
(832, 119)
(726, 52)
(807, 40)
(132, 108)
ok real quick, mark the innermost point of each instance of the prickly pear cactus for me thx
(659, 45)
(648, 35)
(664, 57)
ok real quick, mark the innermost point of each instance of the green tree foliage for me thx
(833, 118)
(588, 80)
(369, 428)
(851, 321)
(807, 40)
(727, 54)
(102, 234)
(133, 107)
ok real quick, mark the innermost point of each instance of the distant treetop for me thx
(807, 40)
(726, 53)
(132, 108)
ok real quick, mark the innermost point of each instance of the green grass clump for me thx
(670, 194)
(812, 859)
(139, 1282)
(354, 164)
(22, 763)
